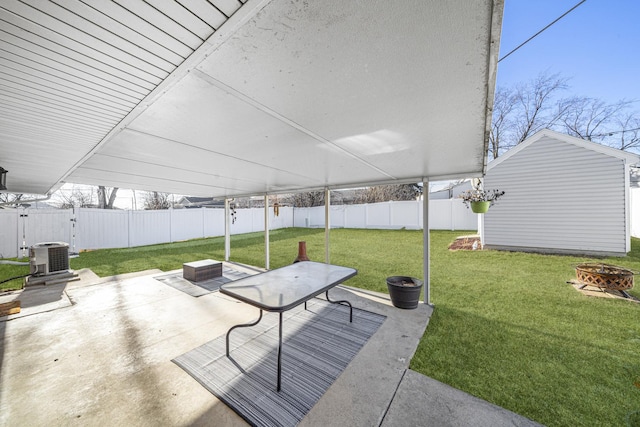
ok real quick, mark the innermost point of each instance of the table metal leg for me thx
(342, 302)
(244, 325)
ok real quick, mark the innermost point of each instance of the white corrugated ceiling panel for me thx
(71, 70)
(283, 96)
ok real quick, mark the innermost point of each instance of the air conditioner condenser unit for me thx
(49, 258)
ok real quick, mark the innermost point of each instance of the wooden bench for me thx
(197, 271)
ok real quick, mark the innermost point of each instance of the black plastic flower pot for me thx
(404, 291)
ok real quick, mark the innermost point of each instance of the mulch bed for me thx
(465, 243)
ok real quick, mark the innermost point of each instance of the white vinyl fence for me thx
(446, 214)
(99, 229)
(635, 211)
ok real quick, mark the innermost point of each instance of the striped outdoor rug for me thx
(318, 344)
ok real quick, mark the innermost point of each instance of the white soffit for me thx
(71, 70)
(286, 96)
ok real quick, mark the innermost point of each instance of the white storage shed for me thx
(562, 195)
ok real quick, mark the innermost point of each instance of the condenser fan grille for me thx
(58, 258)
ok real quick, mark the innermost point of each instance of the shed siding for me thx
(558, 196)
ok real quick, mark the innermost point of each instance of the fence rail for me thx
(100, 229)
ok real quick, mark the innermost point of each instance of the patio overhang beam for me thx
(362, 185)
(266, 232)
(426, 244)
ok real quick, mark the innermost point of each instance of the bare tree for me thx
(380, 193)
(536, 109)
(10, 199)
(154, 200)
(245, 203)
(608, 124)
(78, 197)
(85, 196)
(106, 198)
(306, 200)
(588, 118)
(384, 193)
(501, 124)
(628, 135)
(521, 111)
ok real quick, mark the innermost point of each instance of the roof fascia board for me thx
(515, 150)
(578, 142)
(594, 146)
(359, 185)
(497, 14)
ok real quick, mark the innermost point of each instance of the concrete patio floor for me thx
(98, 351)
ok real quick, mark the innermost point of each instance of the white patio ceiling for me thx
(220, 98)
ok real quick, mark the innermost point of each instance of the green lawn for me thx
(506, 326)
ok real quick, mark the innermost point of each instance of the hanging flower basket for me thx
(480, 207)
(480, 200)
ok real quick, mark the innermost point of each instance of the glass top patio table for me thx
(284, 288)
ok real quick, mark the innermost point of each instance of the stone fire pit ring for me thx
(605, 276)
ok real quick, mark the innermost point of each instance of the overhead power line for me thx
(611, 133)
(542, 30)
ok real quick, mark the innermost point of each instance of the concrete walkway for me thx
(98, 351)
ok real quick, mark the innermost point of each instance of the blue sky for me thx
(596, 46)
